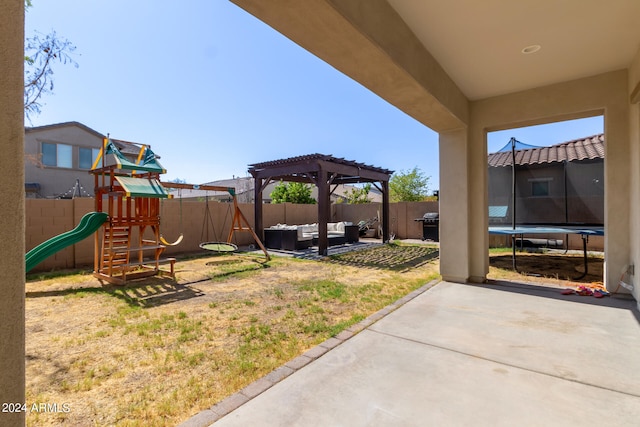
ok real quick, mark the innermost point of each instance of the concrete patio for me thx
(454, 354)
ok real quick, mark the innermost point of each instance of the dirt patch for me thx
(561, 269)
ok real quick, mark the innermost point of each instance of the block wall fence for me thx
(47, 218)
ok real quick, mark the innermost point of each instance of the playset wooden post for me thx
(130, 244)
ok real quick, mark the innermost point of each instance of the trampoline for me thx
(522, 230)
(568, 226)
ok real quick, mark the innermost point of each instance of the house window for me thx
(540, 187)
(86, 157)
(59, 155)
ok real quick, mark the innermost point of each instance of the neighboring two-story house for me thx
(58, 158)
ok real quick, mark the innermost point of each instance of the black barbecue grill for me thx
(430, 224)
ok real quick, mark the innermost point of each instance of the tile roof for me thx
(579, 149)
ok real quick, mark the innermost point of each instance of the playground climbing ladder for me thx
(129, 245)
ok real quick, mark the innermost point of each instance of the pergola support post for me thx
(385, 211)
(258, 224)
(323, 212)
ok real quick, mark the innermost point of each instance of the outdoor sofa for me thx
(296, 237)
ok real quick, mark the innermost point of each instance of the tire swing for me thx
(216, 246)
(177, 242)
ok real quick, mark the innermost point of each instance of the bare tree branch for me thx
(41, 51)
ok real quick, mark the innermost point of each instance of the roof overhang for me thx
(432, 58)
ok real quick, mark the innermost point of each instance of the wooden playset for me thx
(129, 190)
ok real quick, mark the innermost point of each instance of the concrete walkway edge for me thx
(224, 407)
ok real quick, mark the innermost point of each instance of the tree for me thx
(357, 195)
(409, 186)
(292, 192)
(41, 52)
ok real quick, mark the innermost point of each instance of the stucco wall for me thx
(12, 311)
(634, 196)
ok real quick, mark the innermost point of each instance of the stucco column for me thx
(617, 192)
(454, 206)
(12, 264)
(478, 204)
(634, 149)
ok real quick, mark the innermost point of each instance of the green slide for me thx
(88, 225)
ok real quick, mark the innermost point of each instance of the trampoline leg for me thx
(584, 249)
(513, 256)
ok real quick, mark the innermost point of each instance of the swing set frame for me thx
(239, 222)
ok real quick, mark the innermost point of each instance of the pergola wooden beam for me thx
(302, 171)
(322, 171)
(307, 180)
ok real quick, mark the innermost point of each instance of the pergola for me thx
(324, 171)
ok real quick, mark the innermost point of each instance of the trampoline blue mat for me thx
(590, 231)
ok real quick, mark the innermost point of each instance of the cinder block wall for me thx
(297, 214)
(402, 216)
(357, 213)
(48, 218)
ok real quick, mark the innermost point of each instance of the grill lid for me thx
(429, 217)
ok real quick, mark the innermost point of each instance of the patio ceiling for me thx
(479, 43)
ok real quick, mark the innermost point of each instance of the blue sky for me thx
(213, 89)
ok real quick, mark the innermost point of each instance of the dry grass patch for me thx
(155, 352)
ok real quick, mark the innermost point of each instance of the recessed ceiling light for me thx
(531, 49)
